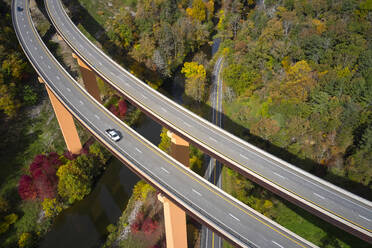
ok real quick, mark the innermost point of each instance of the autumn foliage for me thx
(144, 224)
(122, 105)
(149, 225)
(119, 109)
(42, 181)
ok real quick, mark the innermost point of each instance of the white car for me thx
(113, 134)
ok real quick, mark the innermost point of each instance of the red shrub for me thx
(149, 226)
(114, 110)
(26, 188)
(122, 108)
(135, 227)
(43, 180)
(45, 184)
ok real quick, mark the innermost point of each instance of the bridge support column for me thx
(175, 224)
(89, 78)
(179, 148)
(66, 123)
(175, 217)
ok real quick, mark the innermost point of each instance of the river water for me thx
(84, 224)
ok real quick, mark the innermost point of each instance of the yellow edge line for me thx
(212, 239)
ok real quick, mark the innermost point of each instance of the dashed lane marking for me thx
(277, 244)
(320, 196)
(196, 192)
(279, 175)
(234, 217)
(361, 216)
(245, 157)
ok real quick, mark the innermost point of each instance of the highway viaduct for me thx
(337, 206)
(211, 206)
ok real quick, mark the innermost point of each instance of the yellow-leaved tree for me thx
(73, 183)
(298, 82)
(197, 11)
(51, 207)
(195, 80)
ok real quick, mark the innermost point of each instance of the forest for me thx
(297, 81)
(299, 77)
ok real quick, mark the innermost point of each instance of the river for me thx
(84, 224)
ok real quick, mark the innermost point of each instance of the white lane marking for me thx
(196, 192)
(277, 244)
(164, 109)
(138, 150)
(241, 155)
(100, 63)
(81, 102)
(62, 24)
(361, 216)
(213, 139)
(35, 48)
(320, 196)
(187, 124)
(58, 78)
(49, 67)
(23, 19)
(68, 89)
(234, 217)
(41, 57)
(30, 40)
(26, 32)
(24, 26)
(164, 170)
(97, 117)
(144, 96)
(279, 175)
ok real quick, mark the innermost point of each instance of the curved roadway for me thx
(338, 206)
(229, 217)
